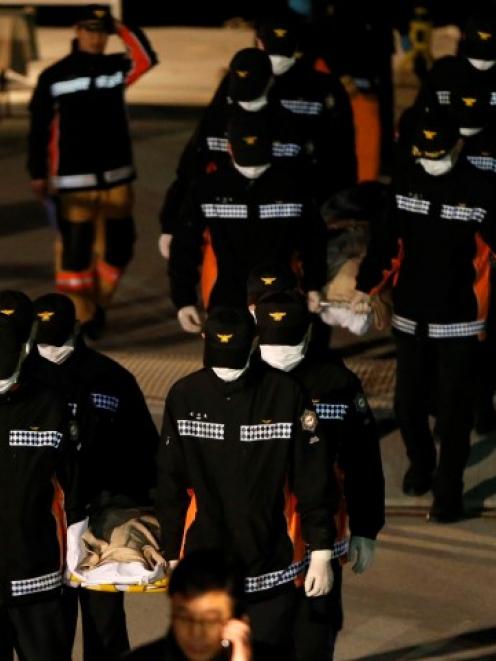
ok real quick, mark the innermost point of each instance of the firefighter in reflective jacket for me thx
(239, 439)
(38, 496)
(79, 150)
(254, 213)
(112, 414)
(435, 250)
(352, 449)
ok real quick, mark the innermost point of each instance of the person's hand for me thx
(189, 319)
(360, 303)
(361, 553)
(313, 301)
(319, 578)
(39, 188)
(237, 633)
(164, 242)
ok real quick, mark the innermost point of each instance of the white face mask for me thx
(281, 64)
(283, 357)
(481, 65)
(57, 355)
(251, 171)
(467, 133)
(228, 374)
(6, 384)
(255, 105)
(438, 167)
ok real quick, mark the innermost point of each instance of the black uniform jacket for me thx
(38, 491)
(350, 433)
(79, 133)
(166, 649)
(455, 72)
(207, 150)
(435, 249)
(271, 218)
(118, 440)
(321, 104)
(237, 446)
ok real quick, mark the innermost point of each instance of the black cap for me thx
(229, 334)
(282, 318)
(11, 342)
(250, 72)
(435, 136)
(278, 36)
(250, 138)
(471, 107)
(95, 18)
(18, 307)
(56, 317)
(270, 278)
(359, 202)
(479, 38)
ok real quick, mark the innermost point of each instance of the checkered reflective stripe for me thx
(444, 97)
(466, 214)
(216, 144)
(340, 548)
(493, 99)
(43, 583)
(34, 439)
(412, 204)
(302, 107)
(486, 163)
(461, 329)
(331, 411)
(280, 210)
(283, 149)
(199, 429)
(268, 432)
(225, 210)
(105, 402)
(276, 578)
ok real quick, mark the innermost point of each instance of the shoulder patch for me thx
(309, 420)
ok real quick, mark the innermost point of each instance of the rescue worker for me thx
(117, 447)
(472, 112)
(38, 493)
(235, 438)
(80, 151)
(348, 430)
(321, 105)
(435, 250)
(254, 213)
(473, 66)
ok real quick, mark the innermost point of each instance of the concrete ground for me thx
(430, 594)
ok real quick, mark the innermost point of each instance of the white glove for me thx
(313, 301)
(189, 319)
(164, 242)
(171, 565)
(361, 553)
(319, 578)
(360, 303)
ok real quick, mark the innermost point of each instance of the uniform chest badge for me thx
(309, 420)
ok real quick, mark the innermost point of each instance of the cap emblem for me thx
(8, 312)
(224, 339)
(268, 281)
(241, 73)
(469, 102)
(99, 13)
(280, 32)
(45, 316)
(277, 316)
(250, 139)
(429, 135)
(484, 36)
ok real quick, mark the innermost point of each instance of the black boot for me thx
(417, 481)
(93, 329)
